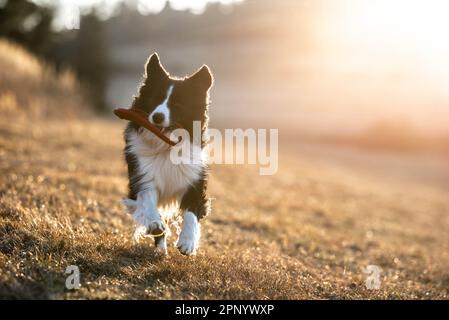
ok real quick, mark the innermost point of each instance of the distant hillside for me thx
(31, 88)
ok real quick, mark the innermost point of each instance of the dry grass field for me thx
(306, 233)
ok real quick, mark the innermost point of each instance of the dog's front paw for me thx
(155, 228)
(189, 238)
(147, 223)
(187, 245)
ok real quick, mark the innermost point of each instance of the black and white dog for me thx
(157, 185)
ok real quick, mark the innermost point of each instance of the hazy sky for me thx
(68, 11)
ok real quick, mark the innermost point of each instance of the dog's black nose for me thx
(158, 118)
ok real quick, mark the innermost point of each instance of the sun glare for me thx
(415, 30)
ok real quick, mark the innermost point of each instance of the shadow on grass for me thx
(35, 266)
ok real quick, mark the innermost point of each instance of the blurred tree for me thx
(26, 23)
(91, 59)
(84, 51)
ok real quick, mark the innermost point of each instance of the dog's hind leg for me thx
(161, 243)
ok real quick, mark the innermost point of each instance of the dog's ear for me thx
(154, 68)
(202, 78)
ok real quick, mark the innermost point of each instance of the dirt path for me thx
(307, 232)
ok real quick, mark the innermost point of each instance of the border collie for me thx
(159, 189)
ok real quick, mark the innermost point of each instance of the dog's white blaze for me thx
(189, 237)
(163, 108)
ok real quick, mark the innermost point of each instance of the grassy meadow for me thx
(307, 232)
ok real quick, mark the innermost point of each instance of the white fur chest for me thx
(158, 172)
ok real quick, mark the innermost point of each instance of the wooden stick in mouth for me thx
(140, 117)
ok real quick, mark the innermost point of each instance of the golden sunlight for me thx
(394, 30)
